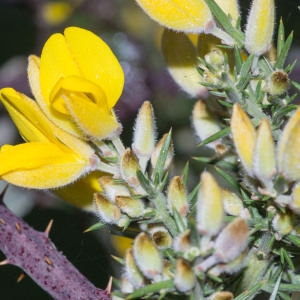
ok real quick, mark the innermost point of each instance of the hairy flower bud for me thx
(210, 211)
(185, 278)
(243, 133)
(106, 211)
(221, 296)
(112, 188)
(177, 196)
(144, 137)
(260, 26)
(147, 257)
(131, 206)
(283, 223)
(133, 274)
(204, 123)
(129, 167)
(160, 236)
(278, 83)
(233, 205)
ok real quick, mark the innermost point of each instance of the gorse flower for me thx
(76, 83)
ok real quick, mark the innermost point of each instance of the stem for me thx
(160, 204)
(34, 253)
(118, 145)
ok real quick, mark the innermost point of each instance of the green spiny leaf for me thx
(284, 52)
(224, 132)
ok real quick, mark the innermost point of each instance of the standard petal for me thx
(96, 62)
(40, 165)
(183, 15)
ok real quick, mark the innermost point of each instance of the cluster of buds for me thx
(273, 173)
(121, 199)
(179, 263)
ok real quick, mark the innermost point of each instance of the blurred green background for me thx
(24, 27)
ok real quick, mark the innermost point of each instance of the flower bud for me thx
(278, 83)
(215, 58)
(156, 153)
(283, 223)
(144, 137)
(131, 206)
(129, 167)
(288, 155)
(133, 274)
(147, 257)
(185, 278)
(210, 211)
(106, 211)
(177, 197)
(112, 188)
(229, 244)
(264, 161)
(233, 205)
(243, 134)
(204, 123)
(160, 236)
(260, 26)
(232, 240)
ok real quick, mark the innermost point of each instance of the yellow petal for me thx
(260, 26)
(243, 134)
(182, 15)
(34, 126)
(27, 116)
(64, 86)
(181, 59)
(288, 155)
(264, 161)
(40, 165)
(34, 81)
(81, 53)
(80, 193)
(92, 120)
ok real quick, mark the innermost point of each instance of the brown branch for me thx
(36, 255)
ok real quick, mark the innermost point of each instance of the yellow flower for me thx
(182, 15)
(76, 82)
(51, 157)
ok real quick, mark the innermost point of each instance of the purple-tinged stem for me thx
(36, 255)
